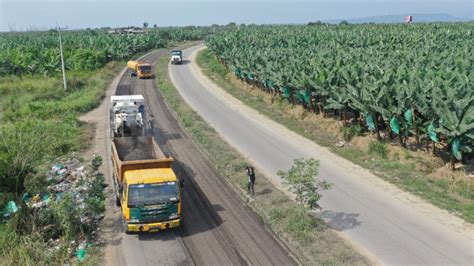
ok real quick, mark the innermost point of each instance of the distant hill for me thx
(442, 17)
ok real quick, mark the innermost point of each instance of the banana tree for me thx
(456, 116)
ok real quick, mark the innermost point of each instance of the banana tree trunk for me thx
(357, 116)
(311, 104)
(415, 128)
(377, 129)
(320, 106)
(344, 114)
(400, 135)
(453, 163)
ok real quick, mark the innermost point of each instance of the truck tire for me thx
(117, 201)
(125, 227)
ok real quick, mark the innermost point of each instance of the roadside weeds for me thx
(43, 100)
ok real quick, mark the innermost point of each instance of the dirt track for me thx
(217, 229)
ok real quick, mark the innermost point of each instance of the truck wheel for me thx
(125, 227)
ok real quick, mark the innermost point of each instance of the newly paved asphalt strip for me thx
(217, 227)
(391, 225)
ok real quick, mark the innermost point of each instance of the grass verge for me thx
(409, 171)
(39, 124)
(308, 238)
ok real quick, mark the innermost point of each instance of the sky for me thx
(75, 14)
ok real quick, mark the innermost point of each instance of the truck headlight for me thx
(173, 215)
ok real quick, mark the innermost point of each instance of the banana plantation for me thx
(409, 81)
(38, 53)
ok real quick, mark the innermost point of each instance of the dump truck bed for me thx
(135, 153)
(137, 148)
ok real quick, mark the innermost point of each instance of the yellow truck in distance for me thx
(146, 187)
(139, 69)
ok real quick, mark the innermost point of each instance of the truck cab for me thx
(176, 57)
(139, 69)
(144, 71)
(150, 200)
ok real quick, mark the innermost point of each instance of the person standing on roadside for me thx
(141, 109)
(251, 174)
(151, 124)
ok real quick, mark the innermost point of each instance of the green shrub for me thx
(294, 220)
(378, 148)
(349, 132)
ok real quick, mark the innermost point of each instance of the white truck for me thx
(176, 57)
(127, 115)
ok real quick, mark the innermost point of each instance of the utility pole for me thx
(62, 57)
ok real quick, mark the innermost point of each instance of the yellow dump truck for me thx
(146, 187)
(139, 69)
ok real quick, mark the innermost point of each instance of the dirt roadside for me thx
(99, 119)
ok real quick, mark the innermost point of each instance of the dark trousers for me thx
(250, 188)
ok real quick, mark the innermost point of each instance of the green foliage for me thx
(66, 217)
(23, 146)
(378, 148)
(349, 132)
(296, 221)
(38, 52)
(206, 58)
(18, 249)
(96, 162)
(382, 70)
(459, 199)
(304, 181)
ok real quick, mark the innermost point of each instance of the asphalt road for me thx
(217, 228)
(385, 222)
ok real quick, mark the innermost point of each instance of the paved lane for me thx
(392, 225)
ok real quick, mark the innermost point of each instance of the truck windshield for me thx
(147, 194)
(176, 53)
(145, 68)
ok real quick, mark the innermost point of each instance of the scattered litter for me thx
(340, 144)
(98, 217)
(81, 251)
(57, 167)
(80, 183)
(72, 163)
(9, 209)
